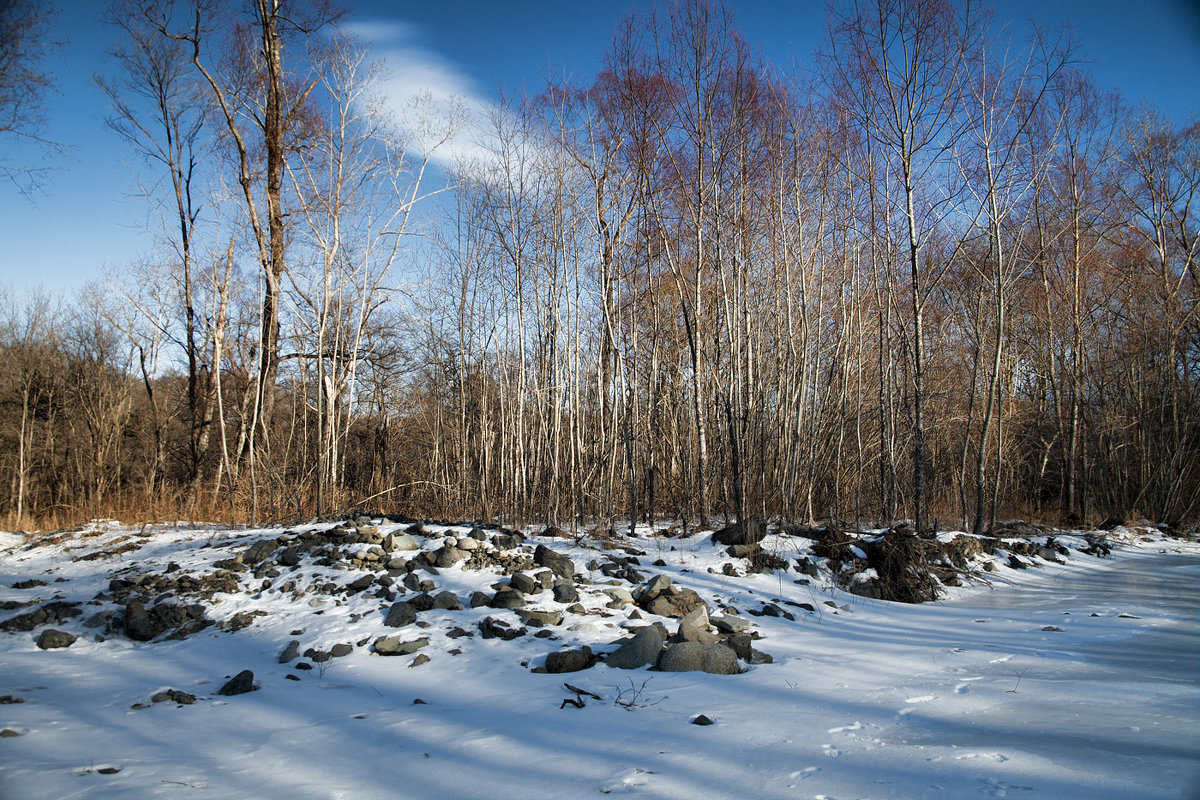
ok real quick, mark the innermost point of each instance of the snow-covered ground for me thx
(1069, 680)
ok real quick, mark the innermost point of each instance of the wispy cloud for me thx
(429, 94)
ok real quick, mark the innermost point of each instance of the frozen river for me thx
(1114, 695)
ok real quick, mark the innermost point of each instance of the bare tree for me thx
(900, 68)
(25, 27)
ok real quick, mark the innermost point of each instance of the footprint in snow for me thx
(997, 757)
(830, 750)
(853, 726)
(925, 698)
(807, 772)
(965, 686)
(627, 781)
(1002, 659)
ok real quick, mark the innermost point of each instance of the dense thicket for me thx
(939, 276)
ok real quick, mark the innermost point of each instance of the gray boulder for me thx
(535, 618)
(675, 602)
(524, 584)
(640, 651)
(570, 660)
(507, 598)
(290, 652)
(694, 627)
(241, 683)
(401, 614)
(52, 639)
(259, 551)
(449, 556)
(748, 531)
(402, 542)
(564, 592)
(447, 601)
(49, 614)
(394, 646)
(715, 659)
(653, 588)
(557, 563)
(730, 623)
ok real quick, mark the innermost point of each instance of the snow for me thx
(970, 696)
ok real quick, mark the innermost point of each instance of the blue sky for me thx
(89, 222)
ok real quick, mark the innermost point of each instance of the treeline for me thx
(939, 276)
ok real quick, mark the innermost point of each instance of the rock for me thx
(479, 599)
(570, 660)
(702, 720)
(9, 733)
(422, 602)
(507, 541)
(693, 627)
(361, 584)
(395, 646)
(1048, 629)
(715, 659)
(49, 614)
(241, 683)
(491, 628)
(402, 542)
(759, 657)
(99, 620)
(259, 551)
(290, 557)
(449, 556)
(142, 625)
(419, 660)
(676, 603)
(640, 651)
(730, 623)
(564, 592)
(619, 595)
(400, 614)
(747, 532)
(507, 598)
(31, 583)
(290, 652)
(653, 588)
(174, 696)
(340, 650)
(52, 639)
(447, 601)
(524, 584)
(741, 645)
(536, 619)
(560, 565)
(807, 567)
(137, 622)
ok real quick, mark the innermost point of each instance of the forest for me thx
(934, 274)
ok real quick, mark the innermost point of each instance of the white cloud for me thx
(429, 94)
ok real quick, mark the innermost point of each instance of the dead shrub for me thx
(901, 559)
(834, 544)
